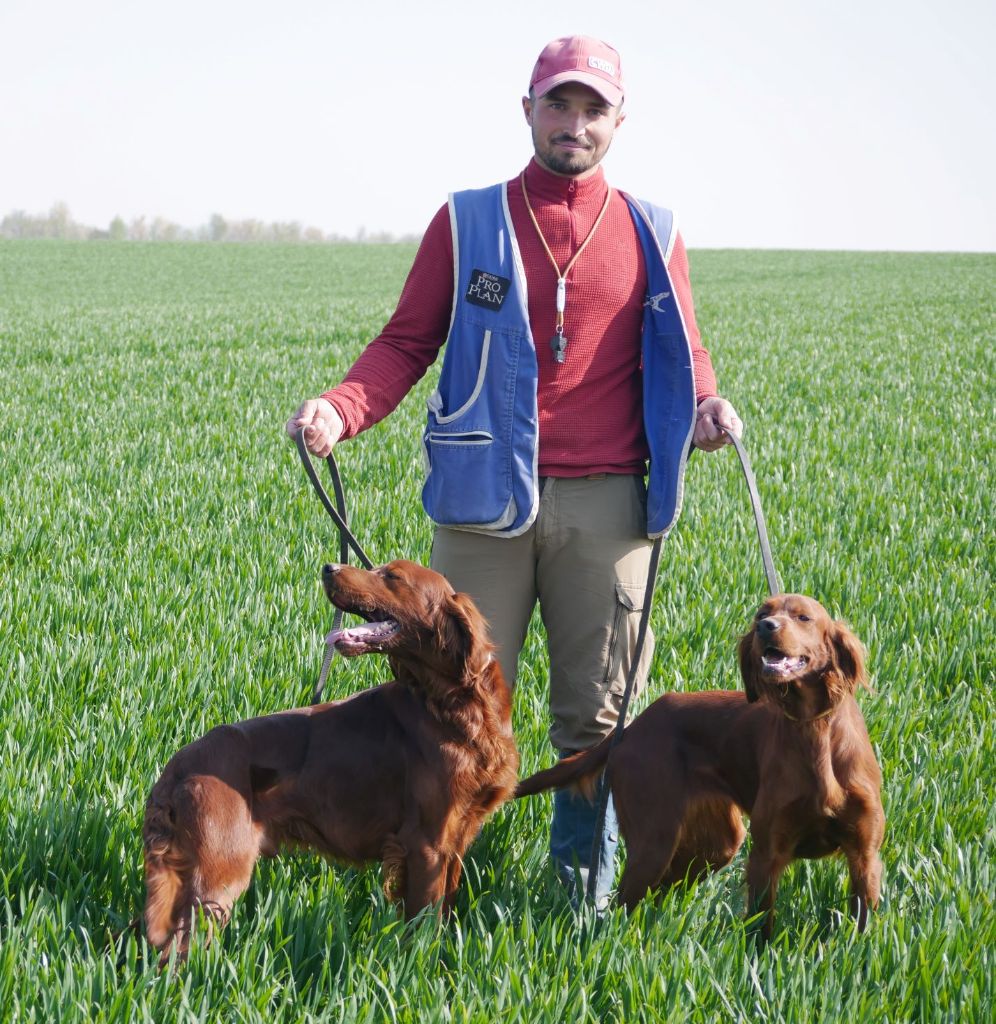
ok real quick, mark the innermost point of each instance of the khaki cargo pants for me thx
(585, 559)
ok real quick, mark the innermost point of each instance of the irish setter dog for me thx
(404, 773)
(792, 752)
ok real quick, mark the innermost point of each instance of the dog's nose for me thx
(328, 569)
(769, 625)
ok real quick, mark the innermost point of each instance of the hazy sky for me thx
(858, 124)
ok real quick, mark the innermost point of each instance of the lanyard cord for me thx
(562, 276)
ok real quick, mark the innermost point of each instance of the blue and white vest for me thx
(482, 440)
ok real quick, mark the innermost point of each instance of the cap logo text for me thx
(602, 65)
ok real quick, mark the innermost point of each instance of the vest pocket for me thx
(468, 437)
(436, 398)
(461, 437)
(469, 482)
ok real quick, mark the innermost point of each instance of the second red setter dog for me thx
(792, 752)
(403, 773)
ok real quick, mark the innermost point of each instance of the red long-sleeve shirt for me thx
(590, 406)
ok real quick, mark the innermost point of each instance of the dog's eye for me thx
(804, 618)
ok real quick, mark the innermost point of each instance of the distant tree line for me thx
(58, 223)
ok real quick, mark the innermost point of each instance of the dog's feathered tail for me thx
(579, 770)
(163, 873)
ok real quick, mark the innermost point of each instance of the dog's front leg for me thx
(865, 869)
(425, 879)
(454, 870)
(764, 868)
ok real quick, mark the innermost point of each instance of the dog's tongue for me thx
(361, 638)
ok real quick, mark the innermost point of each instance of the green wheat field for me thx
(160, 555)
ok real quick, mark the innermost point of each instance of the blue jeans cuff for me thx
(572, 832)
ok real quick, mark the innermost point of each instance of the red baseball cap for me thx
(579, 59)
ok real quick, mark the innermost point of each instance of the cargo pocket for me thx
(622, 642)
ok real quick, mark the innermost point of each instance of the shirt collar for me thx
(544, 184)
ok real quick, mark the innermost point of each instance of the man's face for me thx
(572, 128)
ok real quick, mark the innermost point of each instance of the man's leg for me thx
(594, 557)
(572, 833)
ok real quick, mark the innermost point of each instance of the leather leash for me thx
(774, 587)
(346, 540)
(774, 583)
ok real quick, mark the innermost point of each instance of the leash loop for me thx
(346, 541)
(339, 518)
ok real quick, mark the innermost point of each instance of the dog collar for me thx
(822, 714)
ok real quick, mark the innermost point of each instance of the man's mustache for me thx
(573, 140)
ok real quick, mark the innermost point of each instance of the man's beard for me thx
(566, 162)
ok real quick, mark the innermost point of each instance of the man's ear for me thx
(527, 109)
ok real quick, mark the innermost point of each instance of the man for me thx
(572, 356)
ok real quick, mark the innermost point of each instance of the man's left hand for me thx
(711, 415)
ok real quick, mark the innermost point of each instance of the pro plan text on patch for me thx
(487, 290)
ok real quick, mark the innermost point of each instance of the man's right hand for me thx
(323, 426)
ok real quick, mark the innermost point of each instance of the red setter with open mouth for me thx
(404, 773)
(792, 752)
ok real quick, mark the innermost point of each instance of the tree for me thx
(218, 228)
(60, 222)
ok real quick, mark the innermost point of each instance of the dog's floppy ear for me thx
(848, 656)
(467, 633)
(748, 668)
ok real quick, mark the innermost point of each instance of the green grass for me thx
(160, 548)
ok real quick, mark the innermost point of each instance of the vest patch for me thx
(487, 290)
